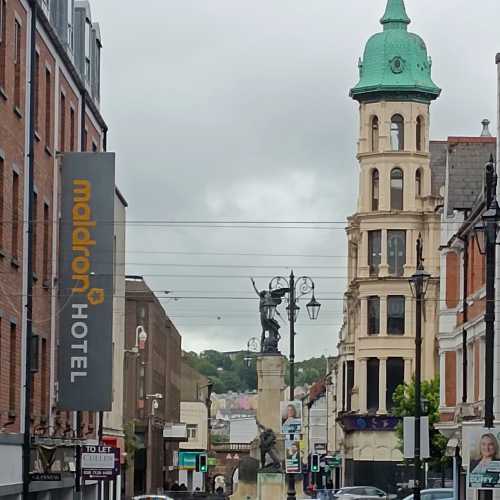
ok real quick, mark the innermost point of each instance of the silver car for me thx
(364, 493)
(434, 494)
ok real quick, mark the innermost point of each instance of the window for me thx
(35, 232)
(374, 251)
(419, 133)
(15, 215)
(46, 243)
(375, 189)
(349, 383)
(48, 106)
(372, 384)
(12, 367)
(396, 315)
(72, 129)
(62, 139)
(418, 182)
(373, 315)
(396, 252)
(88, 41)
(70, 24)
(3, 45)
(17, 64)
(192, 430)
(375, 135)
(85, 139)
(94, 147)
(44, 379)
(37, 90)
(397, 133)
(395, 370)
(98, 71)
(397, 180)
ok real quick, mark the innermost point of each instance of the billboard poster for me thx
(293, 456)
(483, 456)
(291, 417)
(85, 313)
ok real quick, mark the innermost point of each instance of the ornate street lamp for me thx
(313, 308)
(419, 283)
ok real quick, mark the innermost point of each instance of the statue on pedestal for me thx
(268, 449)
(269, 343)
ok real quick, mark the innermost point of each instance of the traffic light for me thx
(202, 462)
(314, 462)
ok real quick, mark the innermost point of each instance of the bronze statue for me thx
(268, 448)
(269, 343)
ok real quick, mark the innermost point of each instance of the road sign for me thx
(100, 462)
(333, 461)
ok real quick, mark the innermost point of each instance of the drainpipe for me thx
(465, 307)
(29, 302)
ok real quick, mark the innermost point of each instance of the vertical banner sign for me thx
(85, 313)
(291, 417)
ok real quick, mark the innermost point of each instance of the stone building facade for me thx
(397, 202)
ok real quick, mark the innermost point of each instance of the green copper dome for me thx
(395, 63)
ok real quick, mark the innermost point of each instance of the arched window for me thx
(420, 133)
(375, 134)
(418, 182)
(397, 133)
(397, 189)
(375, 189)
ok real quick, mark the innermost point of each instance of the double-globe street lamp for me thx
(295, 290)
(419, 283)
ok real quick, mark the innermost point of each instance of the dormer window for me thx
(397, 133)
(375, 135)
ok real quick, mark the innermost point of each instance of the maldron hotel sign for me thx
(86, 282)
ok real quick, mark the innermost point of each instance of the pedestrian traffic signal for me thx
(314, 462)
(202, 462)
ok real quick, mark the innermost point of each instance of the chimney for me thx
(486, 128)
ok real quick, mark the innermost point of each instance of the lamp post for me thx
(486, 238)
(295, 289)
(155, 398)
(418, 283)
(208, 404)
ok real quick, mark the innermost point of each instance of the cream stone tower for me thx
(396, 203)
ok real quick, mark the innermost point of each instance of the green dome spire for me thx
(395, 63)
(395, 14)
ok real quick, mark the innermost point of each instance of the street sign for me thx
(45, 476)
(100, 462)
(409, 437)
(187, 460)
(212, 462)
(333, 461)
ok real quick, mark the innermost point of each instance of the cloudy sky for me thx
(238, 111)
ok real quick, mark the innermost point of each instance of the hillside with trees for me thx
(237, 372)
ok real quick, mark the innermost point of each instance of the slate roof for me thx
(463, 159)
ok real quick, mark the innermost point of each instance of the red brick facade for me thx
(58, 113)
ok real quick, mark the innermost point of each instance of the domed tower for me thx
(396, 204)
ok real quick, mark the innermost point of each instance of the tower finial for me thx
(395, 15)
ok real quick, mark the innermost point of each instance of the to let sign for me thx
(100, 462)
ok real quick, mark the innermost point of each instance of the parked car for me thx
(362, 492)
(434, 494)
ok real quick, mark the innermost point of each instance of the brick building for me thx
(152, 388)
(66, 117)
(463, 286)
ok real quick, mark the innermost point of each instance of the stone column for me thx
(382, 386)
(383, 315)
(442, 379)
(271, 382)
(408, 369)
(361, 383)
(364, 316)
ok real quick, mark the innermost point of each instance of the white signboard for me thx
(409, 437)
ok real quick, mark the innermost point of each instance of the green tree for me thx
(404, 406)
